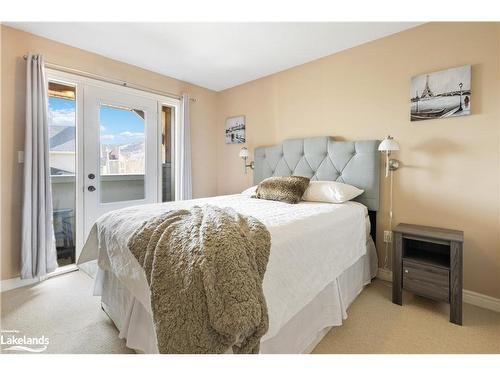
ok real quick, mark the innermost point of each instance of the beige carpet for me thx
(63, 309)
(376, 325)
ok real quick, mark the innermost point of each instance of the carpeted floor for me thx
(376, 325)
(63, 309)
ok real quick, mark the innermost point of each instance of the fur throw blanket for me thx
(205, 268)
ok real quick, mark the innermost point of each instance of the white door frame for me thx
(80, 82)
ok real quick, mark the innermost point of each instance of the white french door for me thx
(119, 155)
(120, 151)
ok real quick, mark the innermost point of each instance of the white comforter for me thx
(312, 244)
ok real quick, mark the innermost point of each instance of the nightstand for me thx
(428, 261)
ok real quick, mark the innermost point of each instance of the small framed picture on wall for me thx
(442, 94)
(235, 130)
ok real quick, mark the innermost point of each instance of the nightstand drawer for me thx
(426, 280)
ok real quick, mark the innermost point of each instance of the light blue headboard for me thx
(322, 158)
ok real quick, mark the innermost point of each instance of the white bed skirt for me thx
(300, 335)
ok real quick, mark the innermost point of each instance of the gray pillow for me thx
(288, 189)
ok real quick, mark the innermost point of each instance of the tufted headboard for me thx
(322, 158)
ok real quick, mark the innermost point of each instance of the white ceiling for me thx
(214, 55)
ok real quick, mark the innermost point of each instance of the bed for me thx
(322, 255)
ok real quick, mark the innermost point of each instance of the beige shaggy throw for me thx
(205, 268)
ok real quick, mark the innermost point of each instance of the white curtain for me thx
(183, 184)
(38, 251)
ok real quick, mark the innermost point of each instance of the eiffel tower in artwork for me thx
(427, 93)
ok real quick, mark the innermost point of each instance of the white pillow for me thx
(330, 192)
(250, 191)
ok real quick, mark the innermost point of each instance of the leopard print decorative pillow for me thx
(288, 189)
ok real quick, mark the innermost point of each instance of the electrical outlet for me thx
(387, 236)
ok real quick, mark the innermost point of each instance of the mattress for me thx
(313, 244)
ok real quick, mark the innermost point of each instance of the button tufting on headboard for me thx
(323, 158)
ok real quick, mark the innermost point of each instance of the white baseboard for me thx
(481, 300)
(384, 274)
(17, 282)
(470, 297)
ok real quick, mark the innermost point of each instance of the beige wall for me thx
(451, 168)
(450, 172)
(14, 45)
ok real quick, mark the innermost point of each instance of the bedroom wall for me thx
(450, 173)
(17, 43)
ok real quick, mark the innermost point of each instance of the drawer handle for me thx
(406, 271)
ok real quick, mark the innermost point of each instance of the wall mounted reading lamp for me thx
(387, 146)
(244, 155)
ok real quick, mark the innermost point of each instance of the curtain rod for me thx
(110, 80)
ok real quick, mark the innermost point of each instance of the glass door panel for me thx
(167, 171)
(122, 154)
(62, 155)
(121, 151)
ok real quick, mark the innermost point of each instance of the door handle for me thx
(91, 176)
(91, 188)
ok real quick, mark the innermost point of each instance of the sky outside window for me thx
(120, 126)
(122, 141)
(62, 135)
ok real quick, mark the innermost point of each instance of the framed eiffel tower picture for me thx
(442, 94)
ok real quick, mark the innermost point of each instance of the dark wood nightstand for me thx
(428, 261)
